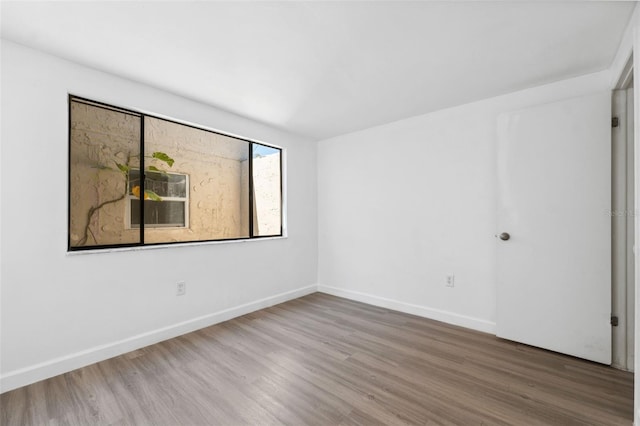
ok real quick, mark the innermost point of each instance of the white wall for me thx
(57, 313)
(404, 204)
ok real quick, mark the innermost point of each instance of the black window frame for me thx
(141, 243)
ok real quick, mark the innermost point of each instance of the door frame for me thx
(623, 213)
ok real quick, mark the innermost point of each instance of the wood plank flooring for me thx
(323, 360)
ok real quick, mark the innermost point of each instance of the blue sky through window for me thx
(263, 151)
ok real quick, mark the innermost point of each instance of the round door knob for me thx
(505, 236)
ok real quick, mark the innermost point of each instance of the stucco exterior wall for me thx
(100, 138)
(267, 195)
(214, 164)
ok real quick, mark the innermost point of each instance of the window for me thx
(266, 190)
(197, 184)
(166, 200)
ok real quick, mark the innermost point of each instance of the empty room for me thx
(319, 212)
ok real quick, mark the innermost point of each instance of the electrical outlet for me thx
(450, 280)
(181, 288)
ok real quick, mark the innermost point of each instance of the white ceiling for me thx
(321, 69)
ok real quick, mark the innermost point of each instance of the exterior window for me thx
(266, 190)
(136, 179)
(166, 202)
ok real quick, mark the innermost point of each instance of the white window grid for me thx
(185, 200)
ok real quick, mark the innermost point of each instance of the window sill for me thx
(172, 245)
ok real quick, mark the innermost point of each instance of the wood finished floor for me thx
(322, 360)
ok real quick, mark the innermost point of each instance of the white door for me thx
(554, 271)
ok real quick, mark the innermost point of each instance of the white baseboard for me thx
(409, 308)
(24, 376)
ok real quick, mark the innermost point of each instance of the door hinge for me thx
(615, 122)
(614, 320)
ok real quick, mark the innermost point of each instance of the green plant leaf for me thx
(123, 168)
(163, 157)
(150, 195)
(155, 169)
